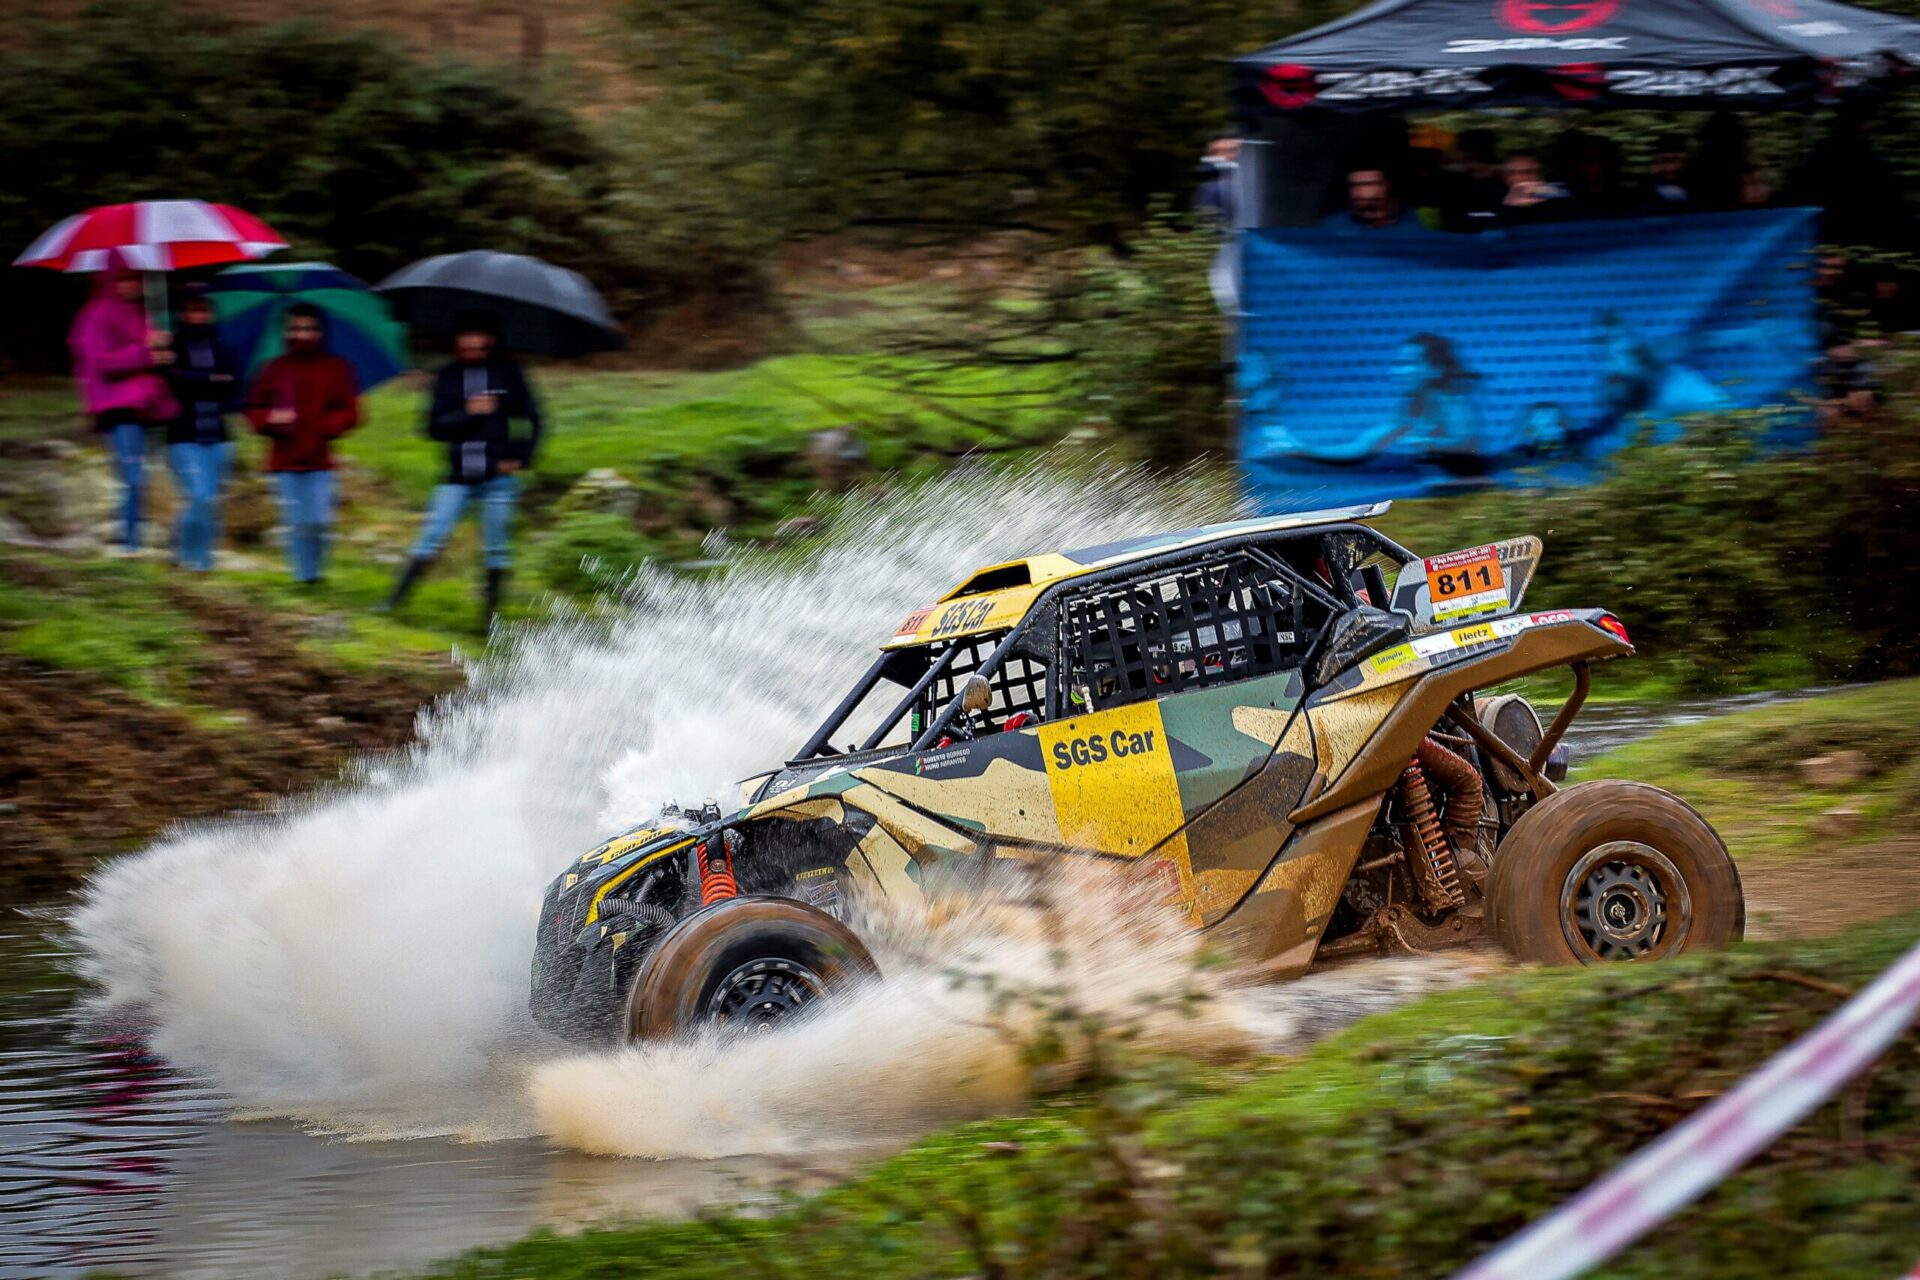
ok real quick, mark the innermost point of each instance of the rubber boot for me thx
(495, 588)
(409, 578)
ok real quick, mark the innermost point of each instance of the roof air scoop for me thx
(997, 578)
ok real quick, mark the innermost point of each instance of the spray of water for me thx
(358, 960)
(969, 989)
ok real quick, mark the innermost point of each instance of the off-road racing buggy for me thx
(1227, 711)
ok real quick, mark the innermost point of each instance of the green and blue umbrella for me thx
(251, 300)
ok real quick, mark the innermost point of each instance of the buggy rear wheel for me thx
(1610, 871)
(745, 964)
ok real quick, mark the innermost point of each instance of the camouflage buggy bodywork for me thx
(1249, 798)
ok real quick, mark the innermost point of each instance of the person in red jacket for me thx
(303, 401)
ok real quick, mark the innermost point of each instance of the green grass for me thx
(1739, 769)
(109, 618)
(742, 428)
(1429, 1131)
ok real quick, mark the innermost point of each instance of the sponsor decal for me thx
(1464, 583)
(962, 617)
(572, 880)
(1543, 619)
(1288, 85)
(1725, 82)
(1113, 783)
(1391, 659)
(938, 760)
(1521, 44)
(1439, 82)
(1555, 17)
(1098, 748)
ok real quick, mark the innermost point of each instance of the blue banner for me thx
(1395, 362)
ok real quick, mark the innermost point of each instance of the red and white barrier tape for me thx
(1673, 1171)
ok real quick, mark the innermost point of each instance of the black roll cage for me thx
(1341, 598)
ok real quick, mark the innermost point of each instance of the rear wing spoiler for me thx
(1461, 586)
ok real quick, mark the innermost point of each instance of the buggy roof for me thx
(999, 595)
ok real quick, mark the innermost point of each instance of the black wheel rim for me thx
(1624, 901)
(763, 994)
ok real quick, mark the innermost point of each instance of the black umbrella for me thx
(1396, 55)
(542, 309)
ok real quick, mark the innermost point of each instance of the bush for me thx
(1733, 564)
(1150, 353)
(582, 551)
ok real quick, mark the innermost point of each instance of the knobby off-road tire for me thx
(1609, 871)
(744, 964)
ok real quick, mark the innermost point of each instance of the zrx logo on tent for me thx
(1555, 17)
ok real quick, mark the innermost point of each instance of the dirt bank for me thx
(88, 768)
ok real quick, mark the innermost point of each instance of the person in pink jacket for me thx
(116, 360)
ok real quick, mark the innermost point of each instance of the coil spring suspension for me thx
(716, 871)
(1435, 868)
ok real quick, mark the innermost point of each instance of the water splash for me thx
(968, 988)
(359, 959)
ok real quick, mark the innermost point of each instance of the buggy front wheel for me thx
(744, 965)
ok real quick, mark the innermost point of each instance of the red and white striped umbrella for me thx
(153, 235)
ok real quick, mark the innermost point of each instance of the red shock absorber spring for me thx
(715, 860)
(1435, 870)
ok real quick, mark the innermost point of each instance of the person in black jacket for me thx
(477, 402)
(205, 385)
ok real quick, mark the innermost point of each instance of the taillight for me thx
(1616, 628)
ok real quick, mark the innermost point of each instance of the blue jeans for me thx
(201, 471)
(127, 450)
(496, 497)
(306, 509)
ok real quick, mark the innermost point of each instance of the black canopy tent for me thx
(1303, 99)
(1399, 55)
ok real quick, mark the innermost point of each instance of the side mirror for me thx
(1348, 639)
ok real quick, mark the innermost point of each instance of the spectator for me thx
(115, 356)
(303, 401)
(1858, 191)
(1848, 382)
(1529, 196)
(198, 452)
(1589, 168)
(1717, 176)
(1473, 193)
(476, 400)
(1373, 203)
(1216, 194)
(1665, 189)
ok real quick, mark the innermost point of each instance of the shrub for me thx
(582, 551)
(1733, 564)
(1149, 342)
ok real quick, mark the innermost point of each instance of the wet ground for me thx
(109, 1160)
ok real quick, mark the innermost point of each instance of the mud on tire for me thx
(744, 964)
(1613, 870)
